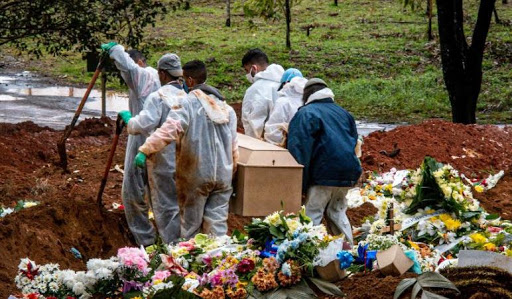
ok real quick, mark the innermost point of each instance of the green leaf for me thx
(276, 232)
(435, 280)
(492, 217)
(430, 295)
(402, 286)
(327, 287)
(415, 290)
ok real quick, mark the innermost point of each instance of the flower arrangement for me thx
(231, 267)
(437, 213)
(20, 205)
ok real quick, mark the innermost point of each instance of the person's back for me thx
(260, 96)
(323, 137)
(285, 107)
(205, 130)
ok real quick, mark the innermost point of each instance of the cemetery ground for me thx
(67, 215)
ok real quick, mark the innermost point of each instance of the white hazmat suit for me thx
(259, 100)
(164, 197)
(205, 130)
(141, 81)
(289, 101)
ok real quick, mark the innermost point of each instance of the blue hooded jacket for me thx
(322, 136)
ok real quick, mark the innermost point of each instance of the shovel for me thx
(119, 129)
(61, 145)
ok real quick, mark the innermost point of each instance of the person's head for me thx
(288, 75)
(194, 73)
(138, 57)
(169, 68)
(313, 85)
(254, 61)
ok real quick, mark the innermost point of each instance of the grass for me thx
(373, 54)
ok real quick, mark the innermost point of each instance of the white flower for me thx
(78, 288)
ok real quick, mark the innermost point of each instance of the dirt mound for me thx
(27, 126)
(471, 149)
(46, 233)
(498, 200)
(357, 215)
(371, 285)
(103, 126)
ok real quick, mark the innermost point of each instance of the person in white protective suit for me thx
(204, 127)
(163, 165)
(142, 80)
(260, 97)
(289, 101)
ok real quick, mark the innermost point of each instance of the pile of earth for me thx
(68, 216)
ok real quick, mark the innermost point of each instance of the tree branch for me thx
(483, 23)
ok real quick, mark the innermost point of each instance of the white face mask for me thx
(250, 76)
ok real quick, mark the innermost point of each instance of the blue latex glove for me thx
(140, 160)
(106, 47)
(125, 115)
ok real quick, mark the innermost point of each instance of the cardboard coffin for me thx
(266, 175)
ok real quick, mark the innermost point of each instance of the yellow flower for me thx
(478, 238)
(479, 188)
(29, 204)
(450, 223)
(157, 281)
(151, 215)
(414, 245)
(388, 187)
(489, 247)
(292, 224)
(378, 188)
(508, 252)
(372, 197)
(273, 219)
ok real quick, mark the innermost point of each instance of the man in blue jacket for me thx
(322, 137)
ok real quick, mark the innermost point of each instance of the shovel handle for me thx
(119, 129)
(61, 145)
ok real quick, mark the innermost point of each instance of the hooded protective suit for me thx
(259, 100)
(205, 130)
(163, 164)
(141, 82)
(289, 101)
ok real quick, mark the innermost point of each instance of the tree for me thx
(81, 25)
(228, 13)
(416, 4)
(272, 9)
(462, 63)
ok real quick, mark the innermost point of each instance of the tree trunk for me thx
(504, 1)
(228, 13)
(336, 2)
(496, 18)
(462, 64)
(288, 21)
(429, 15)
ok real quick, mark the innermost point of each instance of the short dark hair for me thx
(308, 91)
(255, 56)
(196, 69)
(136, 55)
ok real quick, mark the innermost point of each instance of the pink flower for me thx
(133, 258)
(160, 275)
(189, 245)
(494, 229)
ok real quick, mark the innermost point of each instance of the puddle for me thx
(24, 98)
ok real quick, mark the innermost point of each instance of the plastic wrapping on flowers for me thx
(278, 253)
(437, 214)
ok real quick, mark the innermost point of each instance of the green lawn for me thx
(374, 55)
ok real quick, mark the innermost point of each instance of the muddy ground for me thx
(69, 217)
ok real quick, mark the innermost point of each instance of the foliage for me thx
(80, 25)
(269, 9)
(425, 280)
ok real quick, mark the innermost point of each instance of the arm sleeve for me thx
(176, 123)
(234, 136)
(255, 111)
(276, 127)
(137, 78)
(148, 119)
(301, 139)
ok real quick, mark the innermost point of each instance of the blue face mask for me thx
(185, 87)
